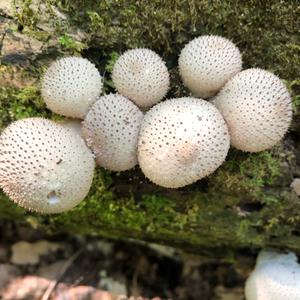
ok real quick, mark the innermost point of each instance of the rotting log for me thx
(246, 203)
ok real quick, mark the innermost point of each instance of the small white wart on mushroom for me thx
(276, 277)
(142, 76)
(206, 63)
(111, 130)
(70, 86)
(181, 141)
(44, 166)
(257, 108)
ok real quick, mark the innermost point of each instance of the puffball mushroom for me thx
(111, 130)
(44, 166)
(206, 63)
(275, 277)
(257, 108)
(142, 76)
(181, 141)
(70, 86)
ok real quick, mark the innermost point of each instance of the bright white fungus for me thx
(275, 277)
(181, 141)
(70, 86)
(257, 108)
(142, 76)
(44, 166)
(111, 130)
(206, 63)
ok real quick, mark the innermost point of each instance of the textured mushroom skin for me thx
(275, 277)
(181, 141)
(44, 166)
(257, 108)
(73, 124)
(70, 86)
(111, 130)
(206, 63)
(142, 76)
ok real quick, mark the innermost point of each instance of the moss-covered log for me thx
(247, 203)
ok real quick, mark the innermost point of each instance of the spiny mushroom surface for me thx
(206, 63)
(111, 130)
(275, 277)
(44, 166)
(142, 76)
(257, 108)
(181, 141)
(70, 86)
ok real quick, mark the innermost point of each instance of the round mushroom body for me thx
(206, 63)
(70, 86)
(257, 108)
(142, 76)
(181, 141)
(111, 130)
(275, 277)
(44, 166)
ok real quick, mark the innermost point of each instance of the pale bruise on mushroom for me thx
(257, 108)
(111, 130)
(70, 86)
(181, 141)
(276, 277)
(206, 63)
(142, 76)
(44, 166)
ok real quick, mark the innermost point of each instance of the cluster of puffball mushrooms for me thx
(48, 167)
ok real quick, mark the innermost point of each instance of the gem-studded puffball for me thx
(181, 141)
(70, 86)
(111, 130)
(257, 108)
(275, 277)
(206, 63)
(44, 166)
(141, 76)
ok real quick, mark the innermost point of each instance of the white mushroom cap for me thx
(73, 124)
(44, 166)
(206, 63)
(70, 86)
(181, 141)
(257, 108)
(275, 277)
(142, 76)
(111, 130)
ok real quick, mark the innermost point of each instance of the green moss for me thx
(26, 15)
(247, 173)
(69, 43)
(20, 103)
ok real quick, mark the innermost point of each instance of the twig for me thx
(63, 270)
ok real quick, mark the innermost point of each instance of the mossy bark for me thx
(247, 202)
